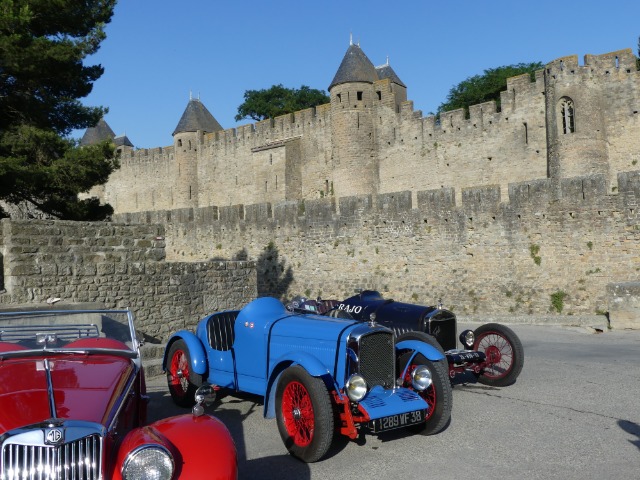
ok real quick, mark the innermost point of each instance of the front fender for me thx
(183, 437)
(196, 351)
(311, 364)
(425, 349)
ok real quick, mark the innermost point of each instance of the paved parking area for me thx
(574, 413)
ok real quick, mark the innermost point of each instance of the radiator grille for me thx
(78, 460)
(444, 329)
(377, 359)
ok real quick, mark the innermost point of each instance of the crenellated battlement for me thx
(432, 205)
(130, 157)
(623, 61)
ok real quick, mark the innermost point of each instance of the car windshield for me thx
(67, 331)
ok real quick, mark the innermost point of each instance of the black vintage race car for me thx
(491, 352)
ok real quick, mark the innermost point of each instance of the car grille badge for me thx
(54, 436)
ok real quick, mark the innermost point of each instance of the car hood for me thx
(84, 388)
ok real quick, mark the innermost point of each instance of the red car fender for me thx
(202, 447)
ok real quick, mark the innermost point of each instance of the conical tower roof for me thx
(122, 140)
(385, 71)
(355, 67)
(101, 132)
(197, 117)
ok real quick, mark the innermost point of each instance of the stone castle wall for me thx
(549, 247)
(116, 266)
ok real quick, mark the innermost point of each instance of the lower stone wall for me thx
(117, 266)
(550, 248)
(624, 305)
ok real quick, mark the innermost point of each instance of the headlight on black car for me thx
(467, 338)
(356, 387)
(148, 462)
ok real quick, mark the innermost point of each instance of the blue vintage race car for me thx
(320, 376)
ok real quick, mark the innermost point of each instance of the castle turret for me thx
(353, 155)
(187, 141)
(397, 88)
(101, 132)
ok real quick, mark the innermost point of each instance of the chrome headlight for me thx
(467, 338)
(148, 462)
(356, 387)
(421, 378)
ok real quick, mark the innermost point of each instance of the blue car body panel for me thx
(196, 350)
(425, 349)
(381, 403)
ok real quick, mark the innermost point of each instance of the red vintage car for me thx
(73, 405)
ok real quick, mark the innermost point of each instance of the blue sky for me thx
(157, 52)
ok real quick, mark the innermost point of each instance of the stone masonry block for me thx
(624, 305)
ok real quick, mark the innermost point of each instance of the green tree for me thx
(638, 57)
(485, 87)
(42, 77)
(278, 100)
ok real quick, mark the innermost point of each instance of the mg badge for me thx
(54, 436)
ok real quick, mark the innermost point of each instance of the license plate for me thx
(397, 421)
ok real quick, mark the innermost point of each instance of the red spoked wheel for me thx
(182, 382)
(504, 354)
(305, 414)
(438, 396)
(298, 413)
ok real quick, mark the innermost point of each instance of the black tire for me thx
(181, 380)
(305, 414)
(423, 337)
(438, 396)
(504, 351)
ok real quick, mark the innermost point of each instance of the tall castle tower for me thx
(187, 143)
(582, 104)
(358, 92)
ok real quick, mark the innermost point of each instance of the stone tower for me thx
(359, 91)
(353, 154)
(581, 103)
(187, 142)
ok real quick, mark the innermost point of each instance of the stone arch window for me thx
(566, 111)
(180, 142)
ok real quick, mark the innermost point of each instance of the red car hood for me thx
(84, 388)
